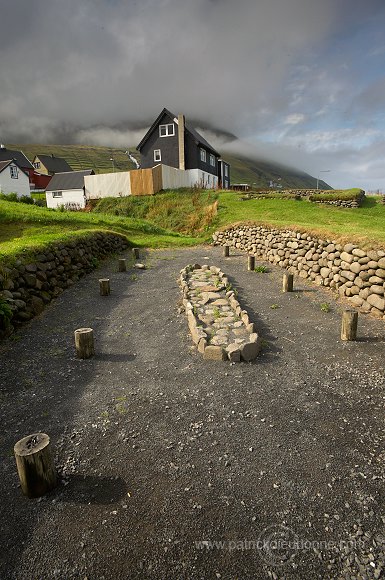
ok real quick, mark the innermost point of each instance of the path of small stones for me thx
(160, 449)
(217, 322)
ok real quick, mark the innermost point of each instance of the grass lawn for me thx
(26, 228)
(365, 225)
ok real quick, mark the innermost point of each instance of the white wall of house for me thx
(174, 178)
(201, 178)
(108, 185)
(70, 196)
(18, 184)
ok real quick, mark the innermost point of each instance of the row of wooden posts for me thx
(34, 461)
(84, 337)
(349, 317)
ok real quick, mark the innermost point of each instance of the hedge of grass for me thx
(339, 195)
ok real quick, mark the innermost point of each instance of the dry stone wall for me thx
(353, 272)
(27, 286)
(218, 325)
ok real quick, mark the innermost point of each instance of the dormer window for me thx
(167, 130)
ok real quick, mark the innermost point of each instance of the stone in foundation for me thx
(214, 353)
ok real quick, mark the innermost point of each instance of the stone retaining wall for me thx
(27, 286)
(355, 273)
(312, 194)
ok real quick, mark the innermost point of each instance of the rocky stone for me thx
(376, 301)
(233, 352)
(377, 289)
(347, 257)
(249, 351)
(214, 353)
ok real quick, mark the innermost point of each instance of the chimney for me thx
(182, 164)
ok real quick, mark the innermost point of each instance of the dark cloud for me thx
(102, 69)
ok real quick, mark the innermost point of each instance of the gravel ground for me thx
(175, 467)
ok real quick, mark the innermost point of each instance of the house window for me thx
(212, 160)
(14, 172)
(226, 170)
(167, 130)
(157, 155)
(57, 194)
(36, 165)
(203, 155)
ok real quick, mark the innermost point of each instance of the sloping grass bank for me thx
(186, 211)
(364, 225)
(26, 228)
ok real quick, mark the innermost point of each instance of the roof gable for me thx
(7, 162)
(69, 180)
(193, 132)
(22, 160)
(54, 164)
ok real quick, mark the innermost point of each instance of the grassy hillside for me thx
(258, 174)
(81, 156)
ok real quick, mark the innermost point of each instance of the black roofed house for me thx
(13, 179)
(67, 189)
(172, 142)
(21, 160)
(49, 164)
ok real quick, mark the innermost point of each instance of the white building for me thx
(145, 181)
(13, 179)
(67, 189)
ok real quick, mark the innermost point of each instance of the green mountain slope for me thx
(258, 174)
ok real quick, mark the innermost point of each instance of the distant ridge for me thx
(258, 174)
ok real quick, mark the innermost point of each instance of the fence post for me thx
(349, 325)
(104, 286)
(35, 465)
(122, 265)
(84, 342)
(287, 282)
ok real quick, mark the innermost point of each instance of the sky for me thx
(300, 82)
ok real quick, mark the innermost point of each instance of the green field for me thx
(365, 225)
(25, 229)
(185, 218)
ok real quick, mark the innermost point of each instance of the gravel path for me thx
(162, 453)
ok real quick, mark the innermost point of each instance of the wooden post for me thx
(104, 285)
(287, 282)
(35, 465)
(349, 325)
(122, 265)
(226, 251)
(136, 253)
(84, 342)
(251, 263)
